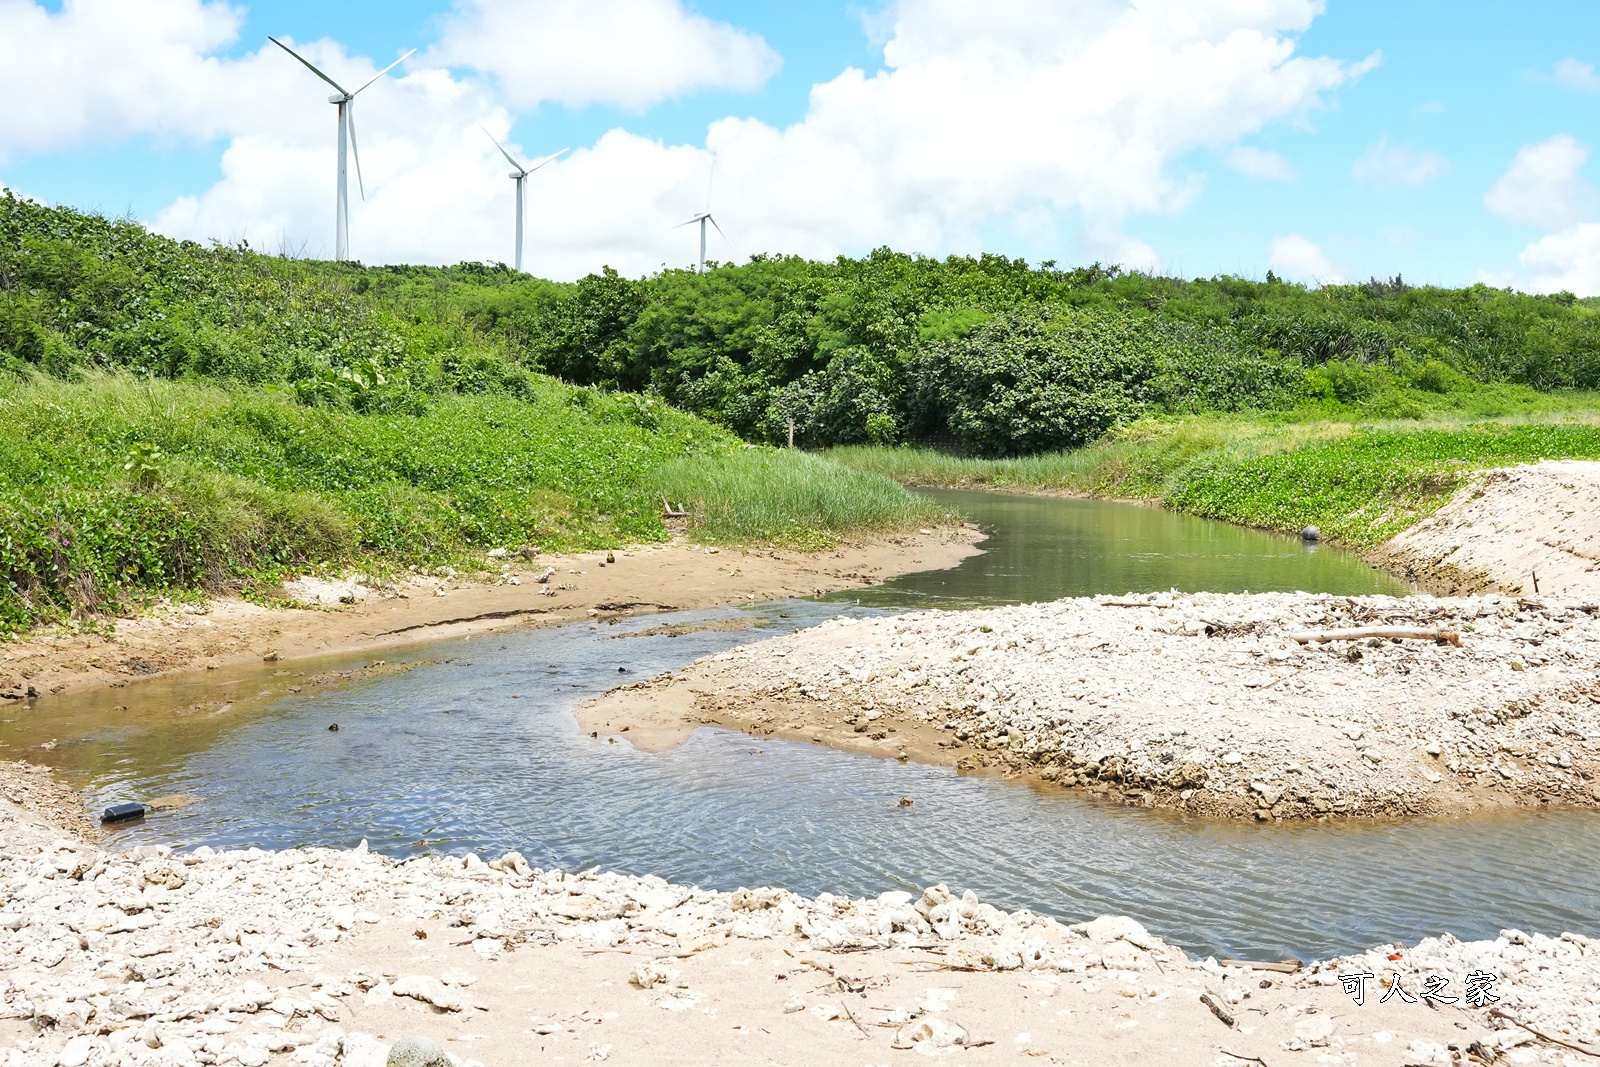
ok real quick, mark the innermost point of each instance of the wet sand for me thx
(230, 632)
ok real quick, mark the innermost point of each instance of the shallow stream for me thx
(475, 747)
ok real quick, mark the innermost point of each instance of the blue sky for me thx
(1439, 100)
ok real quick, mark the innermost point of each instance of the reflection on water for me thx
(1044, 548)
(481, 752)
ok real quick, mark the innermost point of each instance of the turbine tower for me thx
(520, 176)
(346, 101)
(704, 217)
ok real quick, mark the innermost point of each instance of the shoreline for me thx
(1479, 541)
(323, 958)
(1204, 703)
(175, 640)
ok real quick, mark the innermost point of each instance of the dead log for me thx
(1402, 633)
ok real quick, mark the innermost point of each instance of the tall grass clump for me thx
(113, 489)
(786, 497)
(1364, 488)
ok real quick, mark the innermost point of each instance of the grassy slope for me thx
(1361, 480)
(113, 488)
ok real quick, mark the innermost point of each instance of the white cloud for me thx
(631, 53)
(1081, 105)
(1296, 257)
(1565, 261)
(1260, 163)
(1543, 186)
(1385, 165)
(108, 68)
(1074, 111)
(1578, 76)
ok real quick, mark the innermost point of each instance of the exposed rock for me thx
(416, 1052)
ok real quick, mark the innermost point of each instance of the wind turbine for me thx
(520, 176)
(346, 101)
(704, 217)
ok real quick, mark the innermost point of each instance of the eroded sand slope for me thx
(648, 578)
(1511, 530)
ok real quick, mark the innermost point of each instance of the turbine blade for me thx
(309, 66)
(350, 118)
(387, 69)
(546, 159)
(509, 157)
(725, 237)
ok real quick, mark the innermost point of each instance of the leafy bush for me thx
(842, 347)
(1023, 384)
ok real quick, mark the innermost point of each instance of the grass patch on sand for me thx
(115, 489)
(1361, 483)
(792, 498)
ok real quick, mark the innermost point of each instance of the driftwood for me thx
(1408, 633)
(1216, 1009)
(1129, 604)
(852, 1017)
(670, 512)
(1285, 967)
(1576, 1046)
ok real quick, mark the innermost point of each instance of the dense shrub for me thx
(881, 348)
(1023, 384)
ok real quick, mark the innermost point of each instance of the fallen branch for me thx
(670, 512)
(1576, 1046)
(1404, 633)
(1285, 967)
(1247, 1059)
(1216, 1009)
(1129, 604)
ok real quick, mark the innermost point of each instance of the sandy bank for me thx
(1532, 530)
(651, 578)
(320, 957)
(1204, 702)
